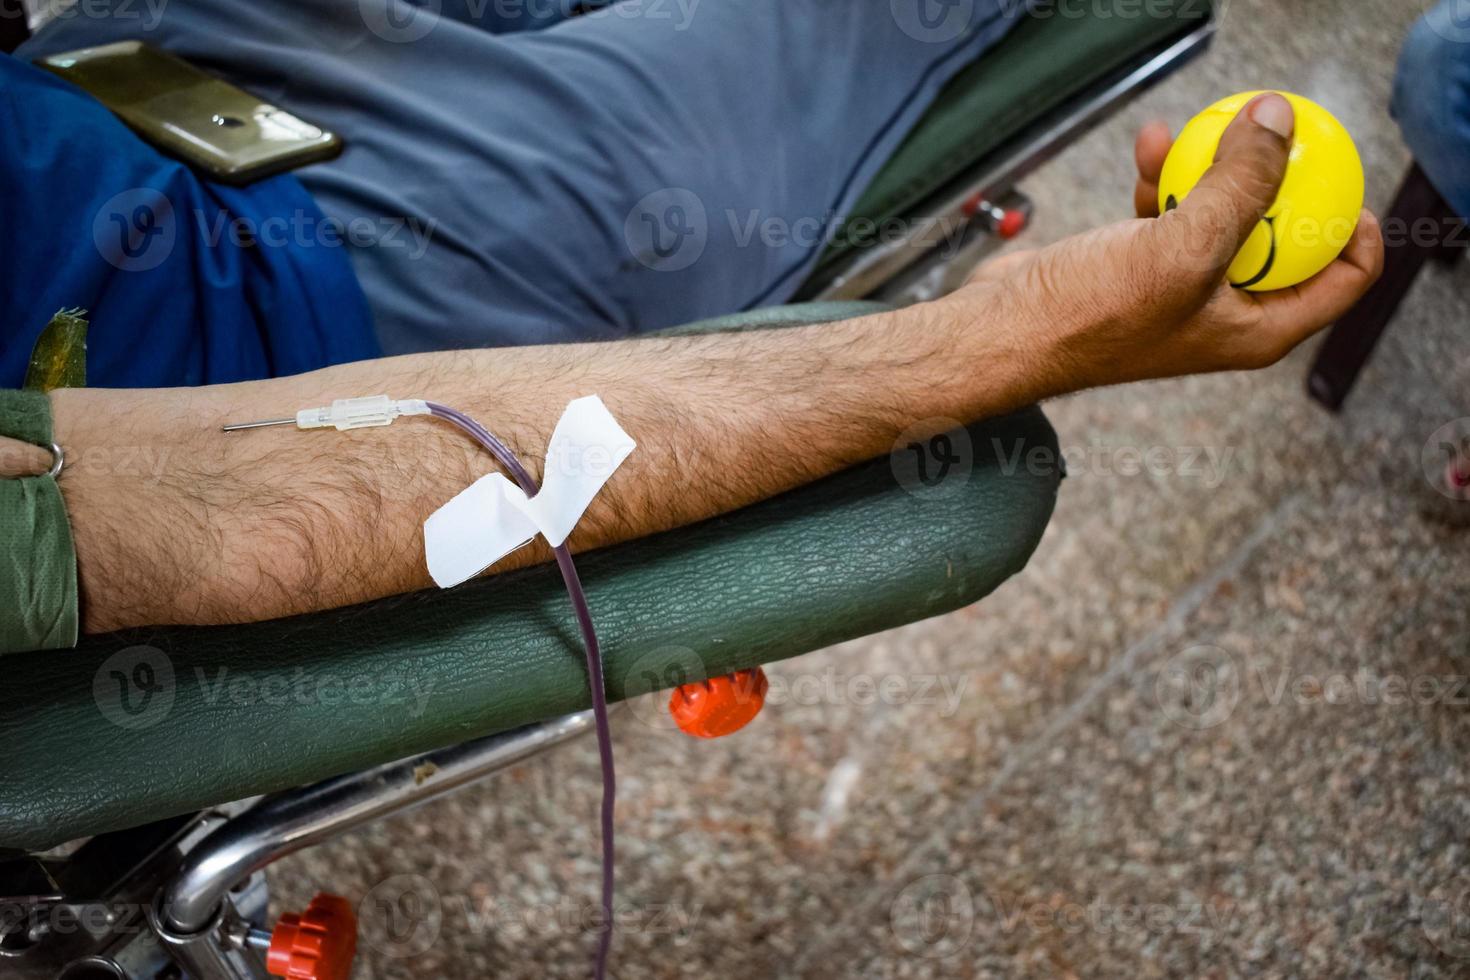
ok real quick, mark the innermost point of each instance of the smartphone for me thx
(230, 135)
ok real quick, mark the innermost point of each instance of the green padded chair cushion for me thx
(134, 727)
(1045, 61)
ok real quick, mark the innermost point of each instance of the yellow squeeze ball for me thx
(1316, 211)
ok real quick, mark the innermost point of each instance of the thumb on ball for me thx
(1236, 192)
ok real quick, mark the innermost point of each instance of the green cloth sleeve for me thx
(38, 561)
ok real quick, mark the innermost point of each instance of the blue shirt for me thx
(185, 281)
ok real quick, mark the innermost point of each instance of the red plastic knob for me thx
(1011, 224)
(318, 944)
(721, 705)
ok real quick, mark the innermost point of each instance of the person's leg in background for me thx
(1431, 99)
(656, 162)
(1431, 102)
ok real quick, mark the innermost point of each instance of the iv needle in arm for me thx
(236, 426)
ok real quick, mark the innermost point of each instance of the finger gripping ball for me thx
(1315, 212)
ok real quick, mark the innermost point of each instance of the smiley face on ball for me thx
(1315, 212)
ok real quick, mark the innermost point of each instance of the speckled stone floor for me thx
(1219, 726)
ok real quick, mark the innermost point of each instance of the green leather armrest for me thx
(133, 727)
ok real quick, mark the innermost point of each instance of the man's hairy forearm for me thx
(224, 527)
(228, 527)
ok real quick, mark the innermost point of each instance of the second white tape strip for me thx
(492, 517)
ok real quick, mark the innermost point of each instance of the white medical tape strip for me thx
(586, 449)
(492, 517)
(473, 531)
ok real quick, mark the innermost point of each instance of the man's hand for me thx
(1149, 298)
